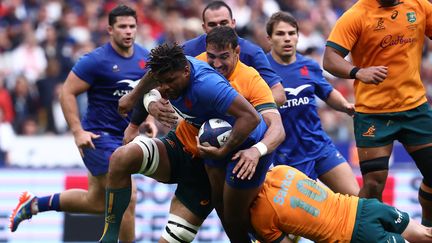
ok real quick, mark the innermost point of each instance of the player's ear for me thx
(186, 71)
(110, 29)
(237, 49)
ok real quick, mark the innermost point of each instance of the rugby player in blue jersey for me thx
(218, 13)
(307, 147)
(106, 74)
(198, 93)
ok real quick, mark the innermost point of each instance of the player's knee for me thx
(118, 160)
(150, 154)
(179, 230)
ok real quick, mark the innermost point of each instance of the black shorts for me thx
(193, 185)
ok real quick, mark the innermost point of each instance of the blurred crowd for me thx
(40, 40)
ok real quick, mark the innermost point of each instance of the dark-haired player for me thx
(106, 74)
(199, 93)
(385, 39)
(307, 148)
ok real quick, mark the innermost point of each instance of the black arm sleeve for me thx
(139, 113)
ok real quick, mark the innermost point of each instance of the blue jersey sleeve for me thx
(219, 95)
(86, 68)
(323, 87)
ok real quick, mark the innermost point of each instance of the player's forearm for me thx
(69, 107)
(146, 84)
(139, 113)
(243, 126)
(240, 131)
(247, 119)
(278, 94)
(275, 133)
(335, 64)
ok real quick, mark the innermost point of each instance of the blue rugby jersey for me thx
(209, 95)
(110, 76)
(303, 82)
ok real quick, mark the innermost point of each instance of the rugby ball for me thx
(214, 132)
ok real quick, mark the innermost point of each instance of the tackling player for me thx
(290, 202)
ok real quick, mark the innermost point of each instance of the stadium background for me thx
(40, 40)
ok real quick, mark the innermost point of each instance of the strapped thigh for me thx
(372, 165)
(150, 154)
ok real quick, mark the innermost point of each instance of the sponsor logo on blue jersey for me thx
(295, 92)
(131, 84)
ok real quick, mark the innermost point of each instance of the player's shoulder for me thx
(100, 53)
(244, 69)
(140, 49)
(195, 40)
(195, 46)
(307, 61)
(94, 56)
(248, 47)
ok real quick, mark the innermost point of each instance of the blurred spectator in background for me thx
(25, 102)
(48, 93)
(28, 58)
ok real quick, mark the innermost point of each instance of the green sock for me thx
(116, 202)
(426, 222)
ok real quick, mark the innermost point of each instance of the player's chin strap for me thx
(179, 230)
(150, 154)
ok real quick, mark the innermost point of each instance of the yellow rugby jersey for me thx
(245, 80)
(290, 202)
(391, 37)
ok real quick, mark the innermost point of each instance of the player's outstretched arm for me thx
(278, 94)
(336, 101)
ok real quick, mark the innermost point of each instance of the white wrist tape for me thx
(262, 148)
(152, 95)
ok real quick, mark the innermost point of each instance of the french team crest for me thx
(411, 17)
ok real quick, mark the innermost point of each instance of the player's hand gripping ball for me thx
(214, 132)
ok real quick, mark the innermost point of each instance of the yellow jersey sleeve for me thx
(346, 31)
(247, 81)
